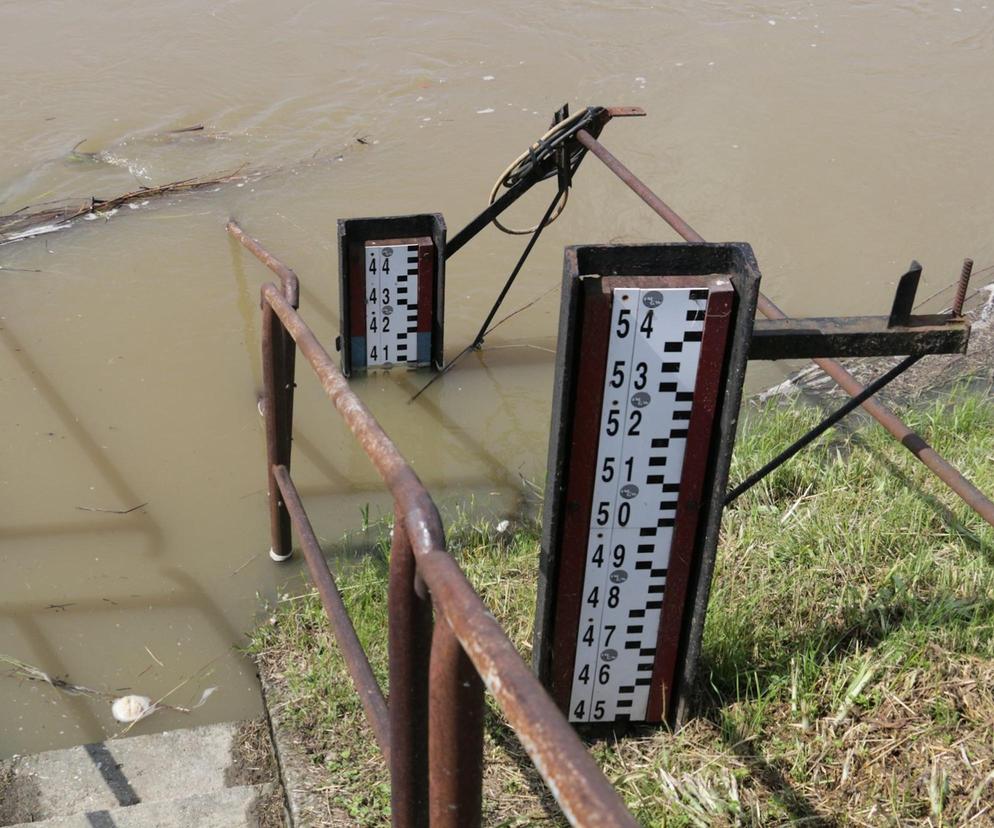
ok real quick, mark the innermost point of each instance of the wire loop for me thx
(540, 153)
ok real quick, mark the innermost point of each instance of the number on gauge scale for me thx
(635, 420)
(646, 326)
(618, 374)
(624, 326)
(641, 376)
(384, 268)
(609, 628)
(607, 471)
(624, 513)
(613, 423)
(603, 513)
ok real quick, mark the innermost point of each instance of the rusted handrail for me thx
(278, 356)
(913, 442)
(355, 657)
(291, 286)
(584, 794)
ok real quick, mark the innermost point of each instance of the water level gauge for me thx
(392, 277)
(642, 375)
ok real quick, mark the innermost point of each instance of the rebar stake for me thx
(964, 283)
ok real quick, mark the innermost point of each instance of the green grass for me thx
(848, 654)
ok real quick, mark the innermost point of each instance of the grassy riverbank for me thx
(848, 660)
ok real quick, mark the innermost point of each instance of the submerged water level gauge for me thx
(647, 346)
(392, 276)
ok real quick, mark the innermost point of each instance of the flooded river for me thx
(840, 139)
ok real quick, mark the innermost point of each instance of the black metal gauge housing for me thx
(653, 343)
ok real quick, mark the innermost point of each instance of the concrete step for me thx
(228, 808)
(121, 772)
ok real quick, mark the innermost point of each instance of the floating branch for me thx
(112, 511)
(47, 218)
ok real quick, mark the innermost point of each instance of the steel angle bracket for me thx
(636, 478)
(899, 334)
(413, 314)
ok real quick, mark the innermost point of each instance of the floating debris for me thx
(50, 217)
(130, 709)
(126, 709)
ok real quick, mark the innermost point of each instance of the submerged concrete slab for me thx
(121, 772)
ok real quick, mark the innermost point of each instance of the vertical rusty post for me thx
(291, 290)
(276, 410)
(455, 734)
(288, 353)
(409, 653)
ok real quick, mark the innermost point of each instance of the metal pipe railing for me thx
(278, 358)
(455, 745)
(435, 709)
(277, 395)
(913, 442)
(409, 631)
(291, 285)
(331, 599)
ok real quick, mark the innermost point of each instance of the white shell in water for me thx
(130, 708)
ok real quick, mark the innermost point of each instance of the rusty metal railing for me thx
(430, 730)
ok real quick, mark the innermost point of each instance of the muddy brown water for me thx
(840, 139)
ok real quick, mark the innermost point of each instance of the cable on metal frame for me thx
(537, 154)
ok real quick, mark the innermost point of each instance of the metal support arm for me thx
(858, 336)
(566, 144)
